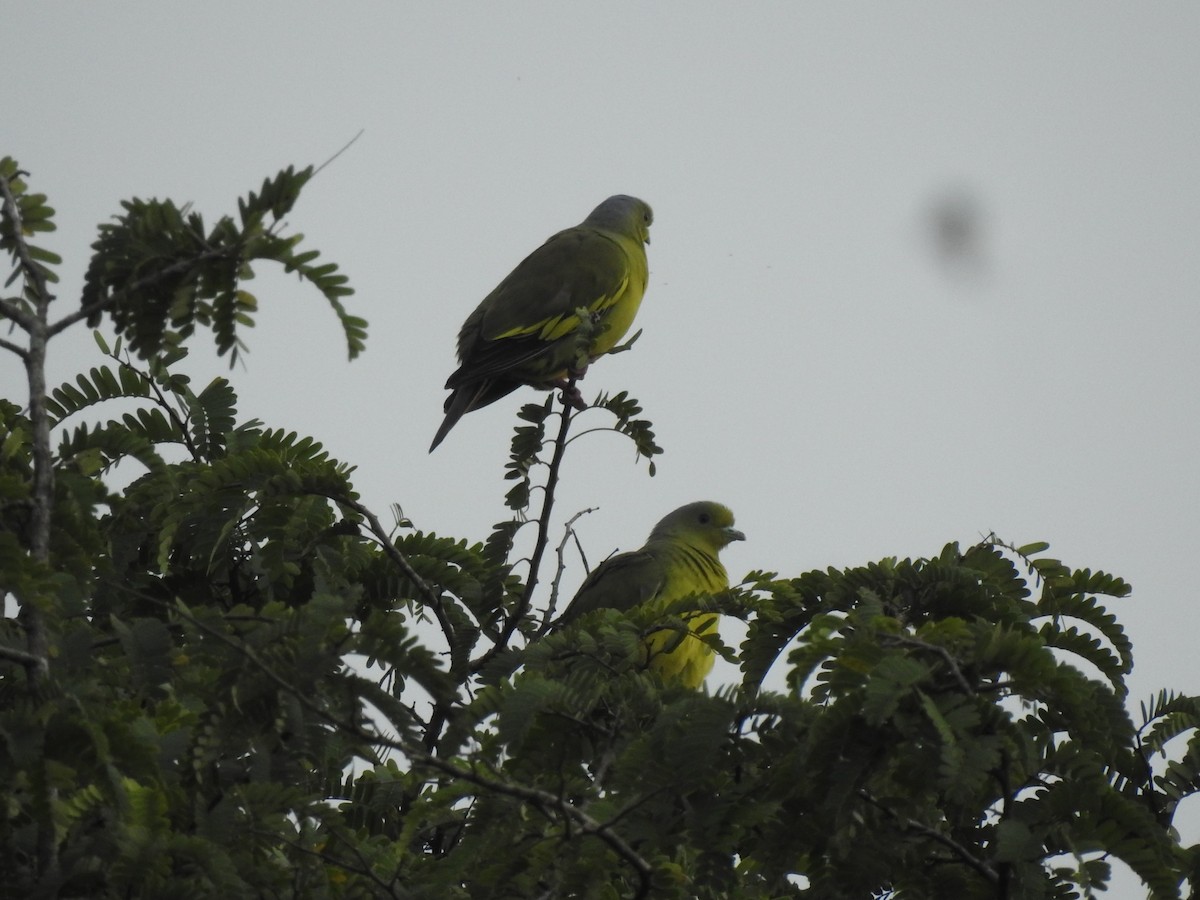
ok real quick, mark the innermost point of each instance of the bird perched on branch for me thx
(530, 330)
(679, 560)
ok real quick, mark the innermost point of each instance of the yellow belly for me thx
(682, 659)
(620, 317)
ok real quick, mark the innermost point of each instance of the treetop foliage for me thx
(229, 679)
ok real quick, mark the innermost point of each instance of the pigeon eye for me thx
(705, 518)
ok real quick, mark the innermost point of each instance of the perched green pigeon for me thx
(525, 331)
(678, 560)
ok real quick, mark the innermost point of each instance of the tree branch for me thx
(980, 866)
(389, 548)
(364, 869)
(945, 654)
(350, 143)
(28, 660)
(568, 533)
(544, 801)
(161, 399)
(37, 642)
(142, 283)
(31, 269)
(543, 533)
(10, 310)
(34, 358)
(14, 348)
(432, 596)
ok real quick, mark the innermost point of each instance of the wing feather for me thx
(620, 582)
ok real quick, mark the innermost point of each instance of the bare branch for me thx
(568, 533)
(345, 147)
(10, 310)
(14, 348)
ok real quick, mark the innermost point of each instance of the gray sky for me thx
(810, 356)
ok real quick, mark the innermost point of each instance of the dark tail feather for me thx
(472, 395)
(458, 404)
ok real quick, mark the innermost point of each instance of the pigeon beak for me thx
(732, 534)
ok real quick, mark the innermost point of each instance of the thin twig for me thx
(595, 429)
(345, 147)
(945, 654)
(28, 660)
(979, 865)
(139, 284)
(32, 271)
(432, 596)
(389, 548)
(543, 534)
(162, 402)
(332, 860)
(560, 567)
(14, 348)
(10, 310)
(546, 802)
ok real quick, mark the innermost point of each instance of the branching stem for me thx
(548, 804)
(543, 534)
(560, 567)
(979, 865)
(389, 548)
(139, 284)
(36, 659)
(28, 660)
(946, 655)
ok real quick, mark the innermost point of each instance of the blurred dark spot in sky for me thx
(956, 228)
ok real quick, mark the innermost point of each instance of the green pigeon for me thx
(525, 331)
(678, 560)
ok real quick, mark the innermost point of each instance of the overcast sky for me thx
(918, 272)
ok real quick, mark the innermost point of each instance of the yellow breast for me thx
(624, 308)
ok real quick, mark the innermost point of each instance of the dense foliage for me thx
(229, 679)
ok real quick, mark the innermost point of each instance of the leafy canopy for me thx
(229, 679)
